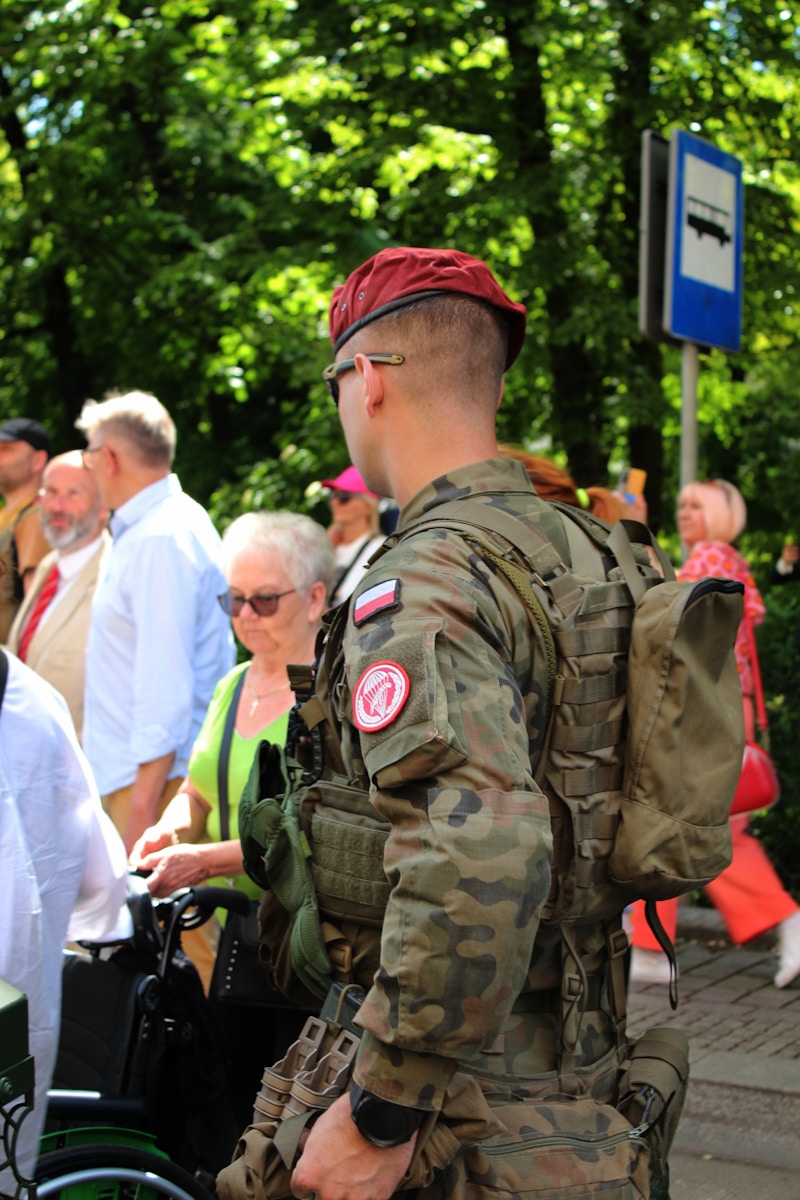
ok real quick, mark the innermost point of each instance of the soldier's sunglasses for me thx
(263, 606)
(331, 374)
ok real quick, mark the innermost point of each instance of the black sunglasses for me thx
(262, 606)
(343, 497)
(331, 374)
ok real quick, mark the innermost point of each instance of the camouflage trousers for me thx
(496, 1138)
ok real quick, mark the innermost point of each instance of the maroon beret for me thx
(400, 275)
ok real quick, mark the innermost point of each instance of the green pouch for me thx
(276, 856)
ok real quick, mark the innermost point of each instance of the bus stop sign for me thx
(703, 270)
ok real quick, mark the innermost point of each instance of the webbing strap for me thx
(601, 826)
(665, 942)
(620, 540)
(586, 738)
(483, 517)
(312, 713)
(600, 639)
(584, 781)
(591, 690)
(617, 946)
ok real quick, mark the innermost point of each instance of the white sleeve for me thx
(100, 913)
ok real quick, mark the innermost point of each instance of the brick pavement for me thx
(742, 1029)
(739, 1135)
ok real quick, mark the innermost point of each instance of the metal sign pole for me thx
(690, 367)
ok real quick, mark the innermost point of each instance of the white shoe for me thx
(650, 966)
(789, 947)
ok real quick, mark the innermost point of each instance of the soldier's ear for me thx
(371, 383)
(502, 390)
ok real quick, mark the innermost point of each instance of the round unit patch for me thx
(380, 694)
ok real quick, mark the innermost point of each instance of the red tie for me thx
(37, 612)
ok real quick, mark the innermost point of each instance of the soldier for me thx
(436, 704)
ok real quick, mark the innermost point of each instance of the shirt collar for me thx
(139, 505)
(70, 565)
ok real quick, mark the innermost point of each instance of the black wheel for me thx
(111, 1172)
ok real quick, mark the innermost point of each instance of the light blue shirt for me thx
(158, 640)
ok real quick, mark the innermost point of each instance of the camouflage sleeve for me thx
(434, 687)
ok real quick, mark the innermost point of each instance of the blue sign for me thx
(703, 271)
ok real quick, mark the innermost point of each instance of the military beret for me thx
(401, 275)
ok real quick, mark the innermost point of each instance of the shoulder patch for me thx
(376, 599)
(379, 696)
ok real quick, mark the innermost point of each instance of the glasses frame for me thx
(87, 452)
(227, 602)
(331, 373)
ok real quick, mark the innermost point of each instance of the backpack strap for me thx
(224, 759)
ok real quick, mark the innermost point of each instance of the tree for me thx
(185, 184)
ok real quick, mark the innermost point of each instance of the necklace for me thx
(259, 696)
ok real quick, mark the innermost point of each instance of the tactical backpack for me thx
(644, 731)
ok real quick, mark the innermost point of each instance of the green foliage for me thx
(183, 184)
(779, 653)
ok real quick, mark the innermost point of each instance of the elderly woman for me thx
(279, 568)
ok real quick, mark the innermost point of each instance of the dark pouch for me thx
(653, 1088)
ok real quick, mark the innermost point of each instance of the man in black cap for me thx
(24, 451)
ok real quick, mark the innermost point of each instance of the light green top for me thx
(204, 761)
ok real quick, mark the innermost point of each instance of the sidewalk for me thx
(740, 1131)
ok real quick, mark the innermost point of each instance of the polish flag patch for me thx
(380, 695)
(375, 600)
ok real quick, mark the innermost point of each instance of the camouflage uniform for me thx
(466, 979)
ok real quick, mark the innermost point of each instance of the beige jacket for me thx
(58, 649)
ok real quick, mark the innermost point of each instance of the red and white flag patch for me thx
(375, 600)
(380, 695)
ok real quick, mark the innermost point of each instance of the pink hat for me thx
(400, 275)
(349, 481)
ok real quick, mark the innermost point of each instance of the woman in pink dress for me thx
(748, 895)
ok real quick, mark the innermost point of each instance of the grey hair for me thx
(302, 545)
(139, 418)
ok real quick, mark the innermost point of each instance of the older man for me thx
(51, 629)
(158, 641)
(24, 450)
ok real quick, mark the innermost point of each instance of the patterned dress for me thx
(722, 561)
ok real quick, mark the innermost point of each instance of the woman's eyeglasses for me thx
(331, 374)
(343, 497)
(263, 606)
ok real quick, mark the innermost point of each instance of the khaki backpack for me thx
(645, 736)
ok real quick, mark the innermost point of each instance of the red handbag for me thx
(758, 786)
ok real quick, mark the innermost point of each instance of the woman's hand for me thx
(154, 838)
(175, 866)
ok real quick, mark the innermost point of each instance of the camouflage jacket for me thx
(437, 699)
